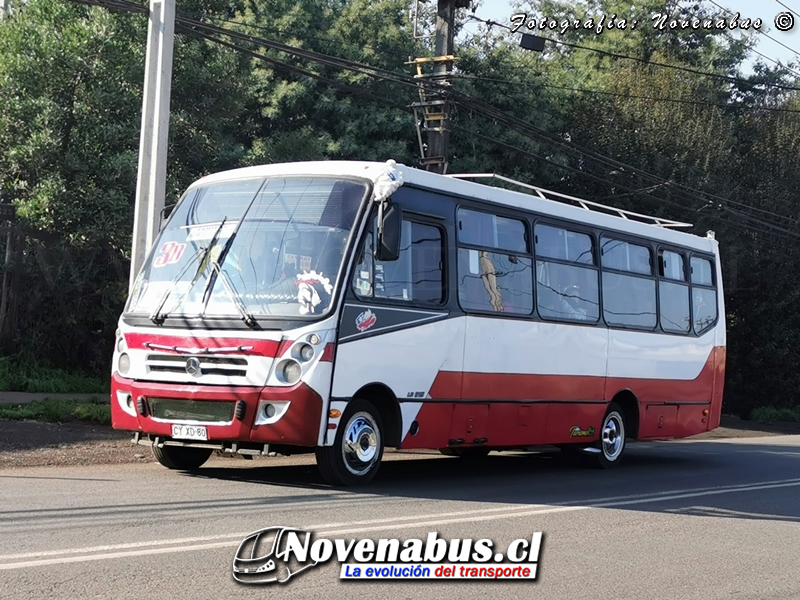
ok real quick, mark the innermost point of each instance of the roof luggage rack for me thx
(586, 204)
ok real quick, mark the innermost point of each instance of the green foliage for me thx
(71, 84)
(770, 414)
(23, 374)
(54, 410)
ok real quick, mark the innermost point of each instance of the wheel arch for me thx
(385, 402)
(629, 404)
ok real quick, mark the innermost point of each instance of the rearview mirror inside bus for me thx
(389, 240)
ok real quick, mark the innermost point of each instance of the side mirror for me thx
(165, 213)
(389, 234)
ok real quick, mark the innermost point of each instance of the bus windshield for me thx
(250, 248)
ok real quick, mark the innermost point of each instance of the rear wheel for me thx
(181, 458)
(612, 438)
(357, 449)
(467, 452)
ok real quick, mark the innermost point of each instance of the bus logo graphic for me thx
(366, 320)
(578, 432)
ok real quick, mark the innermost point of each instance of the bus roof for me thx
(544, 202)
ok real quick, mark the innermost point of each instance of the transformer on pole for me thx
(432, 111)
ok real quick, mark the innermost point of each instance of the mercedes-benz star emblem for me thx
(193, 367)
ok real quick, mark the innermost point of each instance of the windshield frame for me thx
(260, 321)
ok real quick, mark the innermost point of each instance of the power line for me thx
(477, 105)
(382, 74)
(685, 192)
(644, 192)
(787, 8)
(728, 78)
(765, 34)
(631, 96)
(294, 69)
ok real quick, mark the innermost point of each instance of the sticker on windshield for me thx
(170, 253)
(201, 233)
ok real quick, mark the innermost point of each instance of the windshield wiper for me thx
(215, 264)
(248, 318)
(156, 316)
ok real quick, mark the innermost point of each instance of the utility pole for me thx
(152, 175)
(433, 110)
(439, 139)
(6, 4)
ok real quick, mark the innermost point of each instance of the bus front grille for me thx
(226, 366)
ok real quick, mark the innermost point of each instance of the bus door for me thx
(395, 332)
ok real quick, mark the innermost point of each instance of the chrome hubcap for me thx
(360, 444)
(613, 436)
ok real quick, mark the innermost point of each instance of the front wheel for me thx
(612, 438)
(181, 458)
(357, 449)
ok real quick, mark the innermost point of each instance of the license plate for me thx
(189, 432)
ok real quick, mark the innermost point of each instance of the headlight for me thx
(303, 352)
(125, 364)
(121, 347)
(290, 371)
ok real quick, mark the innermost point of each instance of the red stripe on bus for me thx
(515, 386)
(164, 343)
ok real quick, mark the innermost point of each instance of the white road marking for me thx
(330, 529)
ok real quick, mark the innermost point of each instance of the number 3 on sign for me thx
(170, 253)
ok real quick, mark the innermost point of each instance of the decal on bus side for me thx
(366, 320)
(576, 431)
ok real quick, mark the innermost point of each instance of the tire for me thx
(612, 440)
(466, 452)
(182, 458)
(357, 449)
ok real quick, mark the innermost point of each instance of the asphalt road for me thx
(692, 519)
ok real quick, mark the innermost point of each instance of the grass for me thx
(59, 410)
(769, 414)
(23, 375)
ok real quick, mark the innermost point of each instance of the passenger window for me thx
(554, 242)
(567, 292)
(492, 231)
(674, 304)
(702, 271)
(417, 276)
(624, 256)
(629, 301)
(494, 281)
(671, 266)
(705, 309)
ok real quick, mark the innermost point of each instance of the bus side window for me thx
(417, 275)
(704, 294)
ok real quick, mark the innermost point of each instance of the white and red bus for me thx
(344, 307)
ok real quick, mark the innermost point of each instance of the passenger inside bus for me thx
(570, 303)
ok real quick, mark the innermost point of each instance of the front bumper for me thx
(297, 425)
